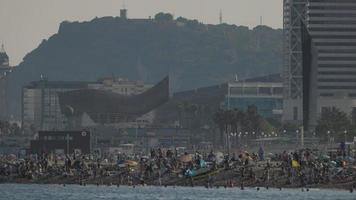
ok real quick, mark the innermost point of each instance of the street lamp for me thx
(329, 141)
(345, 132)
(67, 142)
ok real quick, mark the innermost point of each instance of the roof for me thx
(57, 84)
(272, 78)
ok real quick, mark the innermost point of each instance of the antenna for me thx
(261, 20)
(123, 4)
(236, 78)
(220, 17)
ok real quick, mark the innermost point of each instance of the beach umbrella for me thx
(295, 164)
(219, 157)
(186, 158)
(131, 163)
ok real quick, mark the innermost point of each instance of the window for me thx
(278, 90)
(236, 90)
(265, 91)
(326, 94)
(324, 109)
(250, 90)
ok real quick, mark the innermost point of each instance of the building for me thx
(332, 27)
(266, 93)
(145, 138)
(61, 142)
(123, 13)
(40, 104)
(107, 107)
(5, 69)
(120, 86)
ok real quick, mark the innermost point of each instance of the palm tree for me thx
(220, 120)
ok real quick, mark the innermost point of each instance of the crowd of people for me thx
(302, 168)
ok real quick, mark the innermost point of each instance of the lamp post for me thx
(345, 132)
(297, 133)
(328, 133)
(234, 138)
(67, 139)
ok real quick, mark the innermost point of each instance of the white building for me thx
(120, 86)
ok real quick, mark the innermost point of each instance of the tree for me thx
(220, 120)
(163, 16)
(334, 121)
(237, 121)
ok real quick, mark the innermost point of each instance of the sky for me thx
(25, 23)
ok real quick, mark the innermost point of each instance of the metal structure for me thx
(294, 12)
(106, 107)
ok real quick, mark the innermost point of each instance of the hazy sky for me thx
(25, 23)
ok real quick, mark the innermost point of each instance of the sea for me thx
(76, 192)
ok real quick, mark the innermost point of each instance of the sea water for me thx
(76, 192)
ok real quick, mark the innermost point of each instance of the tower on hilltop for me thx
(4, 58)
(123, 11)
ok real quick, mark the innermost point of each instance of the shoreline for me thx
(111, 181)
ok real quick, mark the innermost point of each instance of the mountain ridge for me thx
(192, 53)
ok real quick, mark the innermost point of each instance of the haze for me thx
(24, 24)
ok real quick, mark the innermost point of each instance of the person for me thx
(261, 153)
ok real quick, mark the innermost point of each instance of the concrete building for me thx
(332, 26)
(266, 93)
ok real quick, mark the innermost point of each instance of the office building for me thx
(332, 27)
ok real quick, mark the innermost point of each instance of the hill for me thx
(192, 53)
